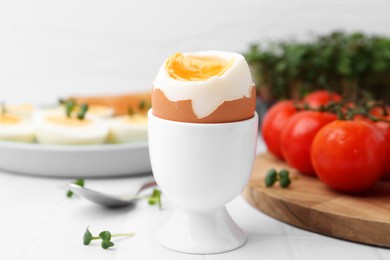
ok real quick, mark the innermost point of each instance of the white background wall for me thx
(51, 48)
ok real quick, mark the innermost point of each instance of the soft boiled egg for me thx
(54, 127)
(15, 128)
(125, 129)
(204, 87)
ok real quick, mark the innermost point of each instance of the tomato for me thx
(379, 111)
(386, 174)
(273, 123)
(297, 137)
(321, 97)
(349, 155)
(385, 129)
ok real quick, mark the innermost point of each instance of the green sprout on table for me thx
(105, 236)
(79, 182)
(273, 176)
(155, 198)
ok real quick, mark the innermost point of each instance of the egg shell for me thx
(229, 111)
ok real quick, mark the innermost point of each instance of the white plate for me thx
(104, 160)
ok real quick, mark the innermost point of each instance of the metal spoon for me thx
(107, 200)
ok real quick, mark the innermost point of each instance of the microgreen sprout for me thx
(61, 101)
(284, 178)
(142, 105)
(270, 178)
(79, 182)
(69, 107)
(82, 112)
(155, 198)
(105, 236)
(273, 176)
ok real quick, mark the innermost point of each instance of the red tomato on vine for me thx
(273, 123)
(297, 137)
(384, 127)
(378, 111)
(320, 97)
(349, 155)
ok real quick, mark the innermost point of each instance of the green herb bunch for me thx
(346, 63)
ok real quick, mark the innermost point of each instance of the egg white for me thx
(22, 131)
(125, 129)
(48, 132)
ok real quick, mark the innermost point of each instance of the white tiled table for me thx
(37, 221)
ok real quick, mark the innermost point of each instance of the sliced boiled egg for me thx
(54, 127)
(125, 129)
(100, 111)
(94, 110)
(16, 128)
(25, 110)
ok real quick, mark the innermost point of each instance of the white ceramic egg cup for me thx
(201, 167)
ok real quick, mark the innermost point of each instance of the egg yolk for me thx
(199, 68)
(67, 121)
(9, 119)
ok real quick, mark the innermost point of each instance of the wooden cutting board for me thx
(311, 205)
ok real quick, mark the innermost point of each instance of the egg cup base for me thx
(210, 232)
